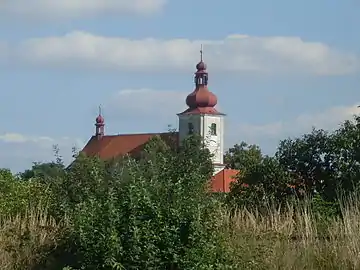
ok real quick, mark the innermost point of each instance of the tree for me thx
(324, 163)
(261, 178)
(43, 171)
(308, 160)
(263, 183)
(152, 213)
(243, 156)
(46, 171)
(18, 197)
(345, 156)
(6, 175)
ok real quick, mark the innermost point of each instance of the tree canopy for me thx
(321, 163)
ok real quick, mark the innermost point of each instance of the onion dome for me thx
(100, 119)
(201, 97)
(201, 100)
(201, 66)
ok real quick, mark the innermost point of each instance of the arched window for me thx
(213, 129)
(190, 128)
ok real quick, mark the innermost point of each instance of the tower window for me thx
(190, 128)
(213, 129)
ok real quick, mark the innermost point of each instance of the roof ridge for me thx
(137, 134)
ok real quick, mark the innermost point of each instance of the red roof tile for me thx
(221, 181)
(108, 147)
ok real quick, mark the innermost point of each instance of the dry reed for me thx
(26, 239)
(295, 238)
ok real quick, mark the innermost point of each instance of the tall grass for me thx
(291, 238)
(296, 238)
(26, 240)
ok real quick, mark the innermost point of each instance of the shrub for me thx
(17, 197)
(155, 213)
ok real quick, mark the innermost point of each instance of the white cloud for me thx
(57, 9)
(18, 151)
(329, 119)
(19, 138)
(233, 53)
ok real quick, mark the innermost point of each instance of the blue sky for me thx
(278, 68)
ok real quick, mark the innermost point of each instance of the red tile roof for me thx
(111, 146)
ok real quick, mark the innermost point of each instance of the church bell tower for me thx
(202, 118)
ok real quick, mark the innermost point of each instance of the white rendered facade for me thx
(211, 128)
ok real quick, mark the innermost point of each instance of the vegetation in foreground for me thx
(300, 209)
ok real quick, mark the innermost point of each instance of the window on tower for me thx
(213, 129)
(190, 128)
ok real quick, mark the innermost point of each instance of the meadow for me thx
(294, 238)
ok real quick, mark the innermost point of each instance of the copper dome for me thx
(100, 119)
(201, 100)
(201, 66)
(201, 97)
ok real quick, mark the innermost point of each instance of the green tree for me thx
(243, 157)
(325, 163)
(46, 171)
(344, 157)
(308, 160)
(43, 171)
(155, 213)
(18, 197)
(265, 182)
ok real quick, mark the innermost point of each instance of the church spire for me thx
(99, 125)
(202, 118)
(201, 75)
(201, 97)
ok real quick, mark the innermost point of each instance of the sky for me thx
(277, 67)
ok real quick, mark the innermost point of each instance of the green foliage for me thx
(263, 183)
(243, 157)
(44, 171)
(320, 162)
(308, 159)
(345, 156)
(16, 197)
(325, 209)
(155, 213)
(325, 162)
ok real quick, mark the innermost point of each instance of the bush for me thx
(17, 197)
(156, 213)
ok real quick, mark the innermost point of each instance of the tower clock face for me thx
(213, 143)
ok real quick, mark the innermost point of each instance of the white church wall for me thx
(202, 125)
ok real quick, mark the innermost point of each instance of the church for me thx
(201, 117)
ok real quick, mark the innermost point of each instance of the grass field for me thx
(290, 239)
